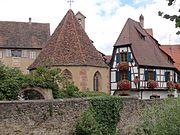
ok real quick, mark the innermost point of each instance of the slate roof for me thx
(23, 34)
(145, 48)
(69, 45)
(174, 52)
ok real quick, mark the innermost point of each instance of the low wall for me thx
(57, 117)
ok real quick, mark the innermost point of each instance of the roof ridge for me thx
(78, 40)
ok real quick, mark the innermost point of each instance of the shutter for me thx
(117, 76)
(146, 75)
(117, 57)
(8, 53)
(154, 75)
(24, 53)
(129, 56)
(129, 75)
(166, 76)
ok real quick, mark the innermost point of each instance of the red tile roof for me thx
(69, 45)
(174, 52)
(145, 48)
(23, 34)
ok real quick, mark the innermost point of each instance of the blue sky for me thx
(104, 18)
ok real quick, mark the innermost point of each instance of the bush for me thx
(87, 125)
(104, 114)
(11, 80)
(161, 119)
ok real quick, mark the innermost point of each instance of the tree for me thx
(175, 18)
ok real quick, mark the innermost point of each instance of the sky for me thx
(104, 18)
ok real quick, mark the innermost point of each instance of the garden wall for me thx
(56, 117)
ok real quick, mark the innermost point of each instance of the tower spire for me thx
(70, 2)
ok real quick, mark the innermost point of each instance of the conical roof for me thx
(146, 49)
(69, 45)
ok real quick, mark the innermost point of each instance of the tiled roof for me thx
(23, 34)
(69, 45)
(174, 52)
(145, 48)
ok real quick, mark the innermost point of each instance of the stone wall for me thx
(57, 117)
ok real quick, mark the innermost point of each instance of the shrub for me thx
(87, 125)
(161, 118)
(104, 113)
(11, 80)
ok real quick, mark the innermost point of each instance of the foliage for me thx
(124, 85)
(161, 118)
(123, 66)
(177, 86)
(170, 85)
(46, 78)
(11, 80)
(152, 84)
(87, 125)
(102, 117)
(175, 18)
(79, 94)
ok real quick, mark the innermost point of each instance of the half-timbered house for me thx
(137, 57)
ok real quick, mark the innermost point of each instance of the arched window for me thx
(97, 81)
(67, 74)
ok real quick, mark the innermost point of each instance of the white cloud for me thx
(104, 18)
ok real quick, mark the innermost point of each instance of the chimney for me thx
(141, 20)
(29, 20)
(81, 19)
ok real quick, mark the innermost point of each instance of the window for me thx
(16, 53)
(97, 81)
(1, 54)
(167, 76)
(32, 55)
(124, 75)
(67, 74)
(24, 53)
(123, 57)
(150, 75)
(8, 53)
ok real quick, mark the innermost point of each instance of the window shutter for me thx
(146, 75)
(154, 75)
(129, 56)
(24, 53)
(129, 75)
(117, 58)
(166, 76)
(117, 76)
(8, 53)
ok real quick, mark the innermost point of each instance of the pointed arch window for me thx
(67, 74)
(97, 81)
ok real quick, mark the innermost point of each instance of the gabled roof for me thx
(174, 52)
(69, 45)
(145, 48)
(23, 34)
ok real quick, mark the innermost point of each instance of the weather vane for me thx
(70, 2)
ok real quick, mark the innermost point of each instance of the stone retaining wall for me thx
(57, 117)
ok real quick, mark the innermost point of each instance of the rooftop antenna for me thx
(70, 2)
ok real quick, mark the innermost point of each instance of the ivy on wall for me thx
(101, 118)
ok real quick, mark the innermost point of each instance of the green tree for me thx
(175, 18)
